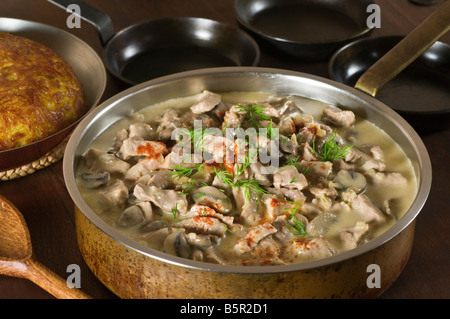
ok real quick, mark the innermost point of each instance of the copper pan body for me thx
(87, 66)
(131, 270)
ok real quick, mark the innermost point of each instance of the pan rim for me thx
(424, 182)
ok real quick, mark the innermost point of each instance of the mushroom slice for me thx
(212, 197)
(135, 215)
(95, 179)
(200, 241)
(177, 244)
(350, 180)
(320, 224)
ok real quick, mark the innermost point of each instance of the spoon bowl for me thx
(17, 258)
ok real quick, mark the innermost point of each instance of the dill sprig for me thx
(175, 211)
(251, 156)
(197, 136)
(330, 151)
(224, 177)
(298, 229)
(247, 184)
(250, 184)
(181, 171)
(255, 113)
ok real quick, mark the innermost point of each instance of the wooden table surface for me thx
(47, 208)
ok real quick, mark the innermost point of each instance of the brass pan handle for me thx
(406, 51)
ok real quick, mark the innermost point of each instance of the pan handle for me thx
(406, 51)
(100, 20)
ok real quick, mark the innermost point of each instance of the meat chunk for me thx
(115, 194)
(200, 210)
(233, 118)
(140, 130)
(203, 225)
(98, 160)
(207, 101)
(351, 237)
(139, 147)
(166, 199)
(306, 248)
(143, 167)
(289, 177)
(337, 116)
(367, 210)
(387, 178)
(253, 237)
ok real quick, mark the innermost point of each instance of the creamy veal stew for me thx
(247, 178)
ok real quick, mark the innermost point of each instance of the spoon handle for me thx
(51, 282)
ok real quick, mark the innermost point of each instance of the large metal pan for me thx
(159, 47)
(88, 68)
(307, 29)
(132, 270)
(420, 93)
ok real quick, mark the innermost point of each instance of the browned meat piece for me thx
(352, 237)
(289, 177)
(207, 101)
(115, 194)
(367, 210)
(166, 199)
(203, 225)
(338, 117)
(253, 237)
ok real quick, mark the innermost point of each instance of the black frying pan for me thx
(306, 29)
(420, 93)
(159, 47)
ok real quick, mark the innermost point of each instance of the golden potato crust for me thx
(39, 92)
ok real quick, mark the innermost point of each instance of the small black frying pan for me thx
(308, 29)
(164, 46)
(420, 93)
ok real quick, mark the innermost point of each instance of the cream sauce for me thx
(368, 133)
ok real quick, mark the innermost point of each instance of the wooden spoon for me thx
(17, 258)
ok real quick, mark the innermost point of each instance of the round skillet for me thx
(307, 29)
(159, 47)
(420, 93)
(88, 68)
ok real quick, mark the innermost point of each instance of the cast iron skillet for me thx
(420, 93)
(307, 29)
(159, 47)
(86, 64)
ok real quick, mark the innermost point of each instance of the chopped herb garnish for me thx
(180, 171)
(255, 113)
(250, 184)
(175, 211)
(247, 184)
(330, 151)
(298, 229)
